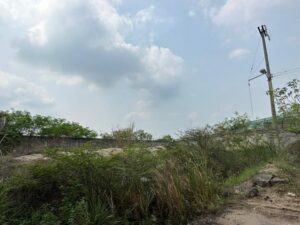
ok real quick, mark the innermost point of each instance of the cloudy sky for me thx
(164, 65)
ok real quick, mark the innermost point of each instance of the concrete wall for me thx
(285, 138)
(29, 145)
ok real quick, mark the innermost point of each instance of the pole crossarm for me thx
(253, 78)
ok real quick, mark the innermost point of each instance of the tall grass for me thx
(135, 187)
(172, 186)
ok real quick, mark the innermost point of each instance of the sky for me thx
(165, 66)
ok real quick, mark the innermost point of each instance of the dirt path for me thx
(273, 206)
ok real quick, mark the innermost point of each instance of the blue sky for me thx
(165, 65)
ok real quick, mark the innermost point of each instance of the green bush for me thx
(229, 147)
(135, 187)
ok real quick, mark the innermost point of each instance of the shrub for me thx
(136, 187)
(229, 147)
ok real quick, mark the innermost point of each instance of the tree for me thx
(167, 138)
(127, 136)
(237, 124)
(141, 135)
(288, 104)
(22, 123)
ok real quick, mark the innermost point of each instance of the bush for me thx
(229, 147)
(135, 187)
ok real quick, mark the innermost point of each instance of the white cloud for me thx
(239, 53)
(142, 111)
(145, 15)
(148, 15)
(162, 64)
(18, 92)
(88, 39)
(60, 79)
(240, 13)
(36, 35)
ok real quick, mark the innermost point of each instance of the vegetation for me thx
(135, 187)
(288, 104)
(289, 165)
(170, 186)
(127, 136)
(22, 123)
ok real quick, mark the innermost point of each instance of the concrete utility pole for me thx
(264, 33)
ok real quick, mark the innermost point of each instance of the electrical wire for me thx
(287, 72)
(294, 70)
(251, 73)
(251, 100)
(254, 58)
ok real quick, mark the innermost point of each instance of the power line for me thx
(285, 74)
(254, 58)
(251, 99)
(278, 74)
(288, 71)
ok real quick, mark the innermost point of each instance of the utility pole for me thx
(264, 33)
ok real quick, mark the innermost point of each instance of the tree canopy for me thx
(22, 123)
(288, 104)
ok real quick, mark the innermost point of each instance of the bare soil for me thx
(273, 206)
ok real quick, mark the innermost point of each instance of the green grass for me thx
(136, 187)
(7, 167)
(290, 170)
(129, 188)
(289, 164)
(245, 175)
